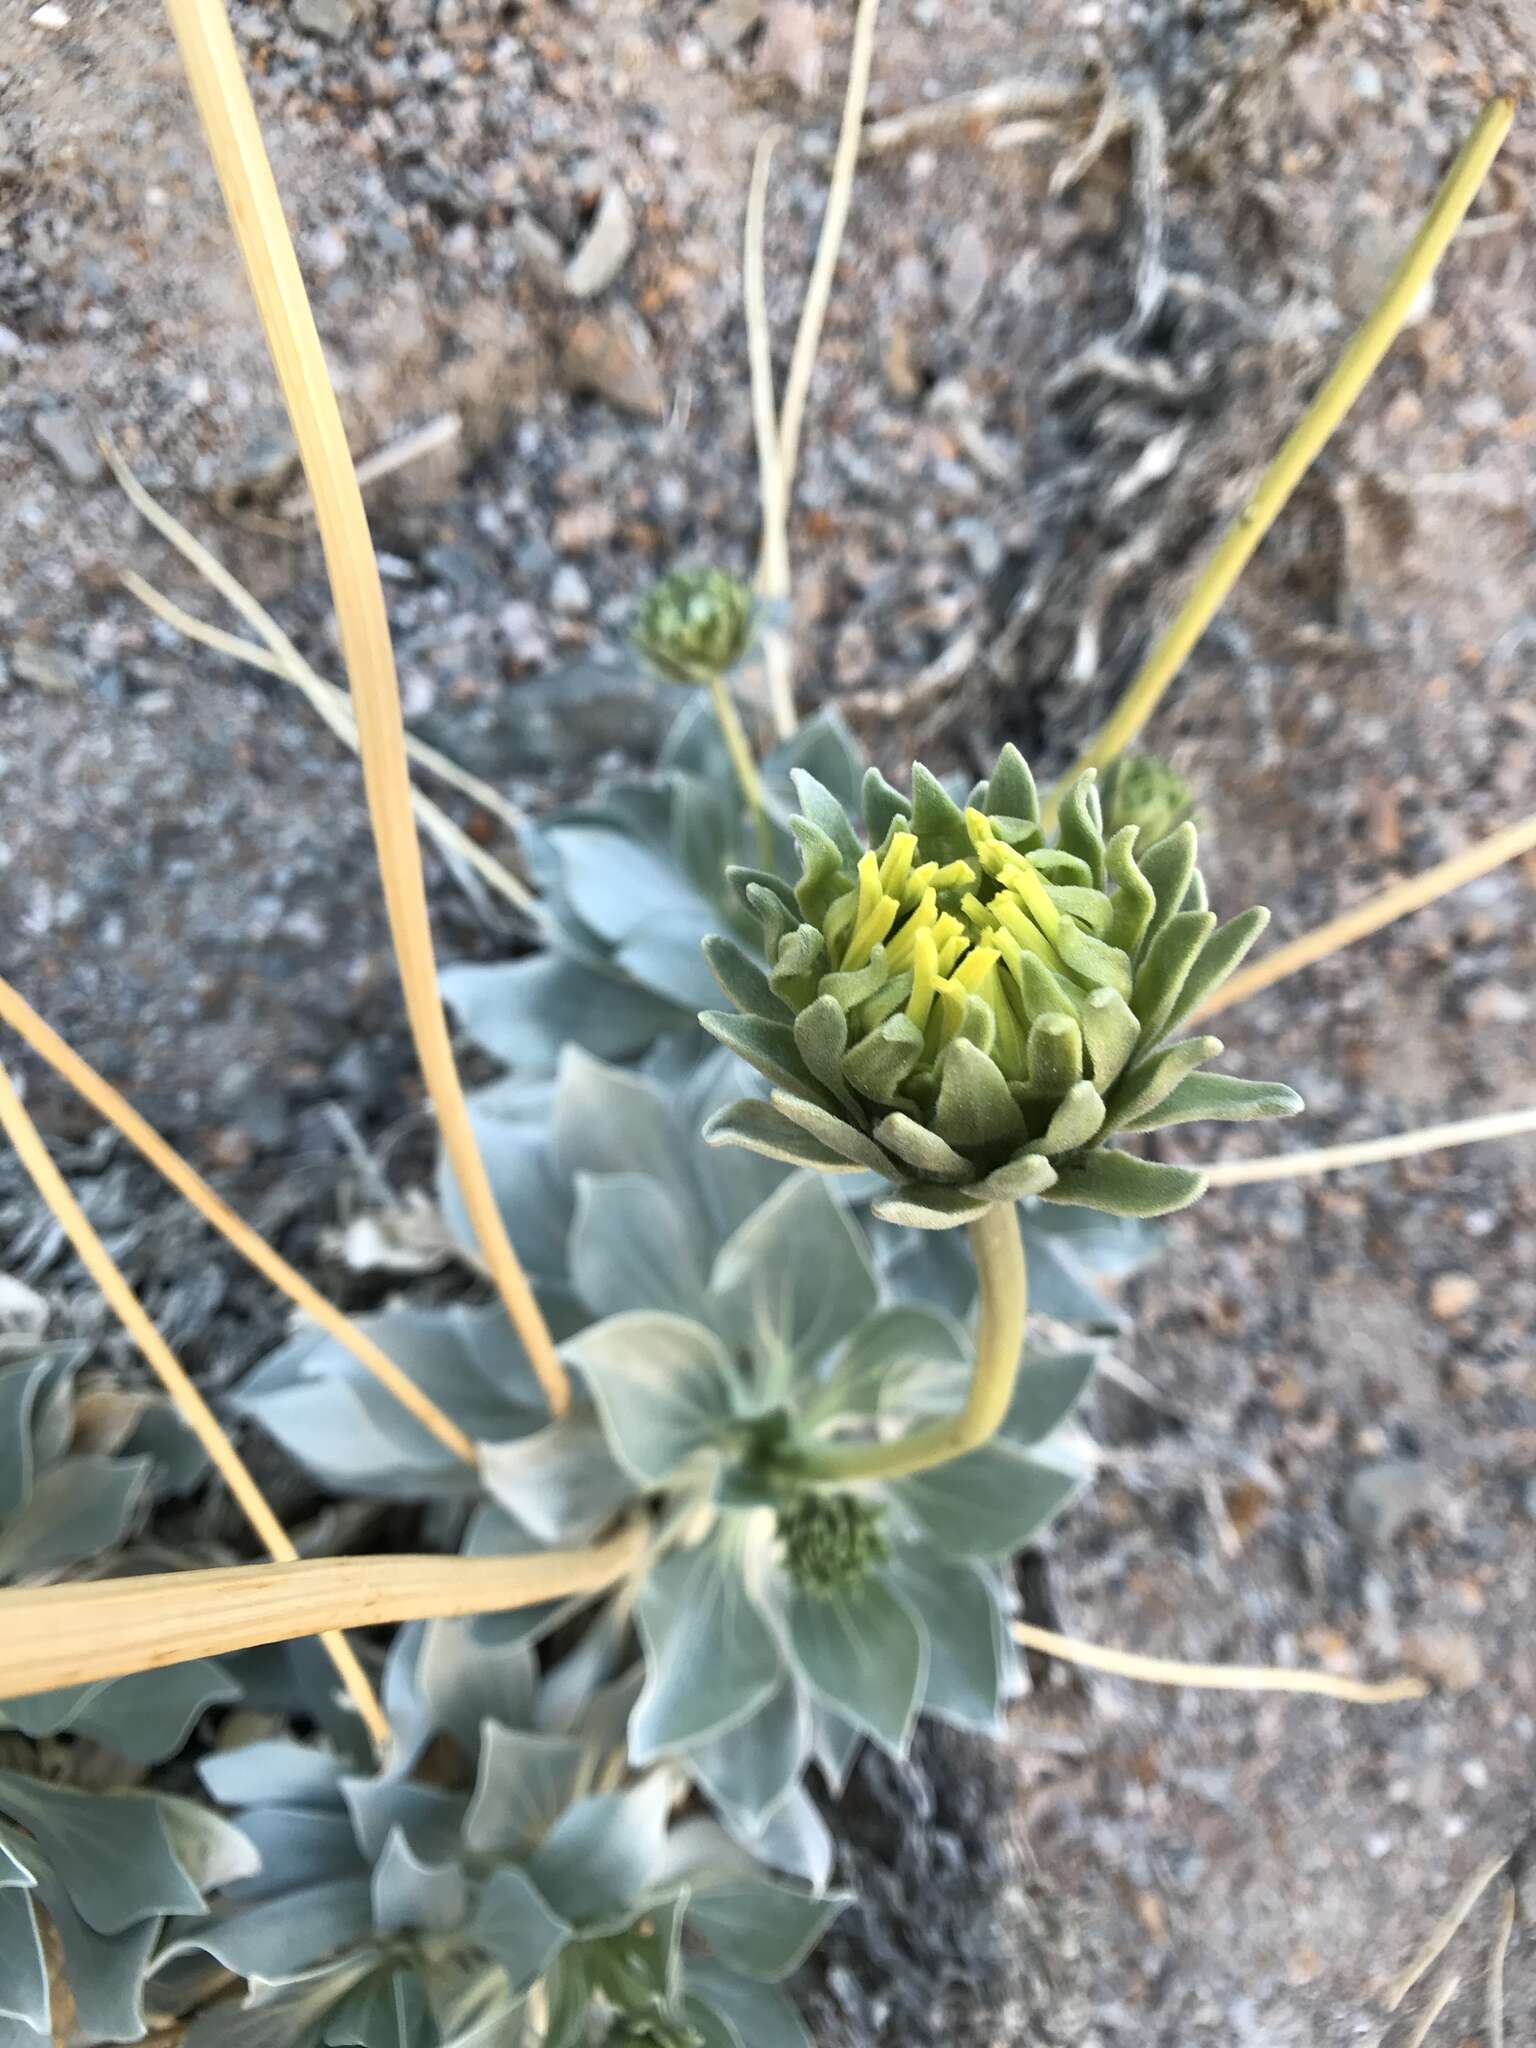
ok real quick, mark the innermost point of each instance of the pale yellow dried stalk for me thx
(82, 1634)
(1215, 1677)
(234, 139)
(1236, 1173)
(250, 1244)
(194, 1410)
(1374, 914)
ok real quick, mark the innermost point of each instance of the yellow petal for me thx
(898, 951)
(896, 868)
(925, 975)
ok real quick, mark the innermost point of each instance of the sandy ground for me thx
(1335, 1459)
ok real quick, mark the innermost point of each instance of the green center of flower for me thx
(832, 1541)
(1002, 946)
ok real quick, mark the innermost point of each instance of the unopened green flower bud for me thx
(832, 1541)
(1144, 791)
(695, 624)
(971, 1008)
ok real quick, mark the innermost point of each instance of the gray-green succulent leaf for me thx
(109, 1870)
(953, 1003)
(429, 1912)
(631, 881)
(771, 1599)
(79, 1466)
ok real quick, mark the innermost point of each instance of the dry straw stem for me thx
(335, 708)
(1443, 1933)
(234, 139)
(1236, 1173)
(778, 450)
(195, 1412)
(964, 112)
(818, 293)
(1445, 1991)
(82, 1634)
(772, 484)
(1302, 446)
(1505, 1928)
(1216, 1677)
(282, 658)
(250, 1244)
(1375, 913)
(413, 447)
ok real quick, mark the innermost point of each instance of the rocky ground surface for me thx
(1049, 369)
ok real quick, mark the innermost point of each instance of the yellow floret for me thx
(896, 868)
(925, 975)
(873, 917)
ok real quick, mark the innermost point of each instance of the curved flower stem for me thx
(1343, 385)
(739, 747)
(999, 1254)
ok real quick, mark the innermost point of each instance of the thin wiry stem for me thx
(1216, 1677)
(1237, 1173)
(772, 485)
(234, 139)
(1302, 446)
(777, 470)
(1443, 1932)
(1444, 1992)
(818, 293)
(335, 709)
(1505, 1928)
(80, 1634)
(283, 658)
(739, 747)
(172, 1375)
(1375, 914)
(250, 1244)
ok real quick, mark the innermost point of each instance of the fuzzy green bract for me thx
(1145, 791)
(696, 623)
(507, 1897)
(631, 881)
(956, 1005)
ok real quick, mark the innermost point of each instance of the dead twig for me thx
(967, 111)
(772, 484)
(1445, 1991)
(1149, 185)
(1506, 1927)
(1443, 1933)
(396, 455)
(1216, 1677)
(335, 708)
(1236, 1173)
(1113, 119)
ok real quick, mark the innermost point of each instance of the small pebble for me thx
(1382, 1499)
(62, 433)
(569, 591)
(1451, 1295)
(1448, 1657)
(330, 20)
